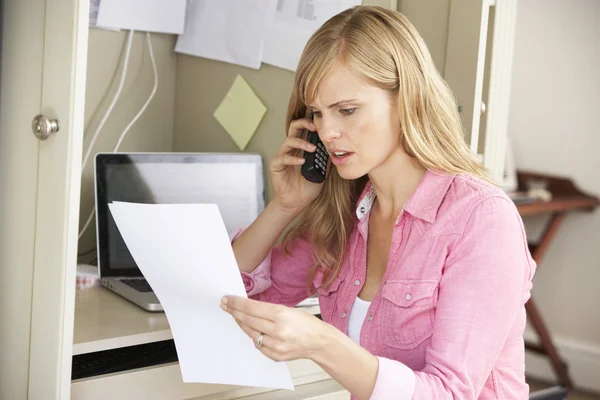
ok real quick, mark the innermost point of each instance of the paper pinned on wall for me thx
(185, 254)
(295, 22)
(232, 31)
(94, 8)
(162, 16)
(240, 112)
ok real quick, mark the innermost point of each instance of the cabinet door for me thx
(44, 47)
(465, 61)
(456, 34)
(468, 40)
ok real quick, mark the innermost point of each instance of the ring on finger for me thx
(259, 340)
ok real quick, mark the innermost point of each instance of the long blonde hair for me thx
(384, 49)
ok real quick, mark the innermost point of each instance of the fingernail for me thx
(224, 301)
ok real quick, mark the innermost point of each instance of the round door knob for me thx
(43, 126)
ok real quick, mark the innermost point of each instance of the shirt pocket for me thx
(408, 310)
(327, 295)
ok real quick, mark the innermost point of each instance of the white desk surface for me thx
(105, 320)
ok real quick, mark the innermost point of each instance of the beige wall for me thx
(554, 120)
(189, 91)
(154, 130)
(430, 18)
(202, 83)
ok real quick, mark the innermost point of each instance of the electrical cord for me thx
(112, 104)
(133, 121)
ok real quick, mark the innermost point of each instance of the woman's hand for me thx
(288, 333)
(292, 191)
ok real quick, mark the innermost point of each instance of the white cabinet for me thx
(45, 70)
(324, 390)
(164, 382)
(471, 43)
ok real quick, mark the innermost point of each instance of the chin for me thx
(348, 173)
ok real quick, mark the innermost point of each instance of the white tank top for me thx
(357, 317)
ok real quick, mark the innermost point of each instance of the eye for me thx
(347, 111)
(315, 114)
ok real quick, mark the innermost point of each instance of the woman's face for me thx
(358, 123)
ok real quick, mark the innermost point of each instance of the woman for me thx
(414, 255)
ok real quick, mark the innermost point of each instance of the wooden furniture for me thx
(70, 74)
(106, 321)
(566, 197)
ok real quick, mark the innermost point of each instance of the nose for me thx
(329, 131)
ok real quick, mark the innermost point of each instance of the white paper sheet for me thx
(232, 31)
(163, 16)
(295, 21)
(94, 8)
(184, 252)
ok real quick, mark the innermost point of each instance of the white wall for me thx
(555, 125)
(153, 131)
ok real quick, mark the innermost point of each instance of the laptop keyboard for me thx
(141, 285)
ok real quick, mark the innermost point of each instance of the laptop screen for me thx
(233, 181)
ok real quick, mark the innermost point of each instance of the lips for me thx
(339, 157)
(338, 152)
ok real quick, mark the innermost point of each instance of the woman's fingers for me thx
(256, 308)
(288, 154)
(291, 143)
(271, 347)
(299, 125)
(257, 323)
(279, 163)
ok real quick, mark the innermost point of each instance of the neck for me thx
(394, 182)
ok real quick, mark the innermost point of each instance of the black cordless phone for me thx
(314, 168)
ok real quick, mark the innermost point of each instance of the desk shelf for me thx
(105, 320)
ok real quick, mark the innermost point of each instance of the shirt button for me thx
(344, 315)
(408, 297)
(357, 282)
(370, 318)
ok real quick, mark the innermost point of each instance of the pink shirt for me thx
(448, 320)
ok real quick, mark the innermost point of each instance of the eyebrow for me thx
(337, 103)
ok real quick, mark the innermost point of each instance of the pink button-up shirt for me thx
(448, 320)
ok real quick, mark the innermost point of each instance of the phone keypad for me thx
(321, 158)
(315, 167)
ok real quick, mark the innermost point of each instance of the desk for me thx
(565, 197)
(105, 320)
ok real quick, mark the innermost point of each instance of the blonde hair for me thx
(384, 49)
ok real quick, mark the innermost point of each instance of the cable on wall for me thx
(133, 121)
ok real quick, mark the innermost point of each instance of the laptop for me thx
(233, 181)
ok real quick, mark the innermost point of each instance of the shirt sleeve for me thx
(394, 381)
(280, 278)
(485, 283)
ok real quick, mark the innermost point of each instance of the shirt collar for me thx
(425, 201)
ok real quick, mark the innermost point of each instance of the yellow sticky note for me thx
(240, 112)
